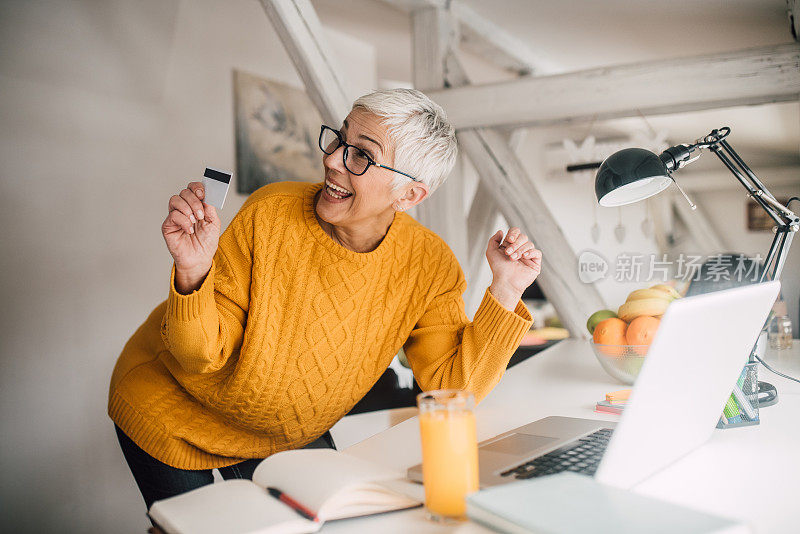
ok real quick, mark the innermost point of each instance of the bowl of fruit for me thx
(621, 339)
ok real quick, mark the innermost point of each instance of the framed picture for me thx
(277, 130)
(757, 218)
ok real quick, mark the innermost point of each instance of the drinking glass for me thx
(780, 333)
(449, 451)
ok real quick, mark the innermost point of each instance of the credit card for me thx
(216, 184)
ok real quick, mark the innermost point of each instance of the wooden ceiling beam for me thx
(481, 36)
(747, 77)
(301, 33)
(485, 39)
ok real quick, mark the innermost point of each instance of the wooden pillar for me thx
(435, 66)
(433, 34)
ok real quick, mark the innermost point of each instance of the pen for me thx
(291, 503)
(744, 404)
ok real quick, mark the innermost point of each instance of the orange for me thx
(611, 331)
(642, 330)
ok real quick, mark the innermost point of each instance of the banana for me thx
(667, 289)
(634, 308)
(649, 294)
(551, 333)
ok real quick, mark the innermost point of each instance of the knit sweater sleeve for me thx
(202, 329)
(446, 350)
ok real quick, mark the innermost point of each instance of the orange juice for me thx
(449, 460)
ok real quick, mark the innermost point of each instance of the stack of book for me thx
(614, 402)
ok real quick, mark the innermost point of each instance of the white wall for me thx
(107, 109)
(727, 213)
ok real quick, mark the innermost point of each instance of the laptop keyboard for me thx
(581, 456)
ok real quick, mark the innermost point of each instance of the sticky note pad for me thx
(621, 395)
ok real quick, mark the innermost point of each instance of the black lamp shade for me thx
(630, 175)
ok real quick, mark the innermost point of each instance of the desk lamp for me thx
(634, 174)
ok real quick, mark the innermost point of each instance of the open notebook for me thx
(327, 483)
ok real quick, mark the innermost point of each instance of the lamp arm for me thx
(783, 250)
(742, 165)
(769, 199)
(788, 223)
(752, 188)
(678, 156)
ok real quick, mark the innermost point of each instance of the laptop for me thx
(695, 359)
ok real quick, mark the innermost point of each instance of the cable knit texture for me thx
(289, 331)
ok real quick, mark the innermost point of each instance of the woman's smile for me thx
(334, 192)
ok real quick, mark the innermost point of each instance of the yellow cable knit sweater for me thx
(289, 330)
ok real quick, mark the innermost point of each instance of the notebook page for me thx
(231, 506)
(312, 476)
(365, 498)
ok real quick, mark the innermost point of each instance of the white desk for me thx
(751, 473)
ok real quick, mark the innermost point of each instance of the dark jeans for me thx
(157, 480)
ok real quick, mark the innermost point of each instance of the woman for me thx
(274, 331)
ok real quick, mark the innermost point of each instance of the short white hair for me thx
(424, 141)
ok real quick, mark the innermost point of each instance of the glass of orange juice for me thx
(449, 451)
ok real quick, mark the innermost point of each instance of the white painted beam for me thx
(521, 205)
(299, 29)
(432, 40)
(481, 36)
(482, 222)
(486, 39)
(754, 76)
(481, 225)
(517, 138)
(483, 213)
(698, 225)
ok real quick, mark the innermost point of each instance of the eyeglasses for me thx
(355, 160)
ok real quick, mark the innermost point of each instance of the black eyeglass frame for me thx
(347, 147)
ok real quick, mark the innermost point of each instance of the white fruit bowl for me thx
(622, 362)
